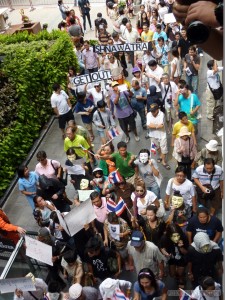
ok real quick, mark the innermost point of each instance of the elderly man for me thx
(144, 254)
(90, 58)
(130, 36)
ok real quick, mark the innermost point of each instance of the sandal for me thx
(159, 160)
(166, 167)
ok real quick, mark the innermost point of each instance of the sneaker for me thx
(137, 139)
(92, 28)
(127, 139)
(85, 31)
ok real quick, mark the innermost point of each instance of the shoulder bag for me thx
(211, 194)
(134, 111)
(64, 175)
(217, 93)
(187, 160)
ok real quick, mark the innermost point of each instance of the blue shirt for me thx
(84, 107)
(156, 35)
(29, 185)
(188, 104)
(164, 52)
(145, 296)
(138, 104)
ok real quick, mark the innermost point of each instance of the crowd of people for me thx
(175, 232)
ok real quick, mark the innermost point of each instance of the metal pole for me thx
(10, 5)
(12, 258)
(31, 5)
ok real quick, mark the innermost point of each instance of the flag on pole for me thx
(111, 205)
(153, 148)
(112, 133)
(183, 295)
(120, 207)
(115, 177)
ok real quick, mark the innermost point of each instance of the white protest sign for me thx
(114, 230)
(75, 170)
(123, 47)
(38, 250)
(10, 284)
(79, 216)
(122, 87)
(62, 222)
(93, 77)
(169, 18)
(84, 194)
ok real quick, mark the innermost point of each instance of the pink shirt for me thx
(90, 58)
(101, 212)
(48, 169)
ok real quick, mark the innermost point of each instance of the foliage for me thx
(94, 42)
(32, 63)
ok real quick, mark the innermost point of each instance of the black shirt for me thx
(84, 6)
(100, 22)
(211, 228)
(184, 45)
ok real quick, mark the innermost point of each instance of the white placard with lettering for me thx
(84, 194)
(38, 250)
(10, 284)
(114, 231)
(79, 216)
(75, 170)
(62, 222)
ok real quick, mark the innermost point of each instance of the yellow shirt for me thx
(76, 145)
(147, 37)
(177, 127)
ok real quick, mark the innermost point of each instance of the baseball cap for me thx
(154, 107)
(114, 83)
(75, 291)
(137, 238)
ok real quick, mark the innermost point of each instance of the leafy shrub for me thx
(32, 63)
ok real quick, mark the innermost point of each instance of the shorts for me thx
(63, 119)
(161, 143)
(124, 122)
(101, 133)
(170, 114)
(88, 126)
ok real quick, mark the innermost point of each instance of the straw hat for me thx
(184, 131)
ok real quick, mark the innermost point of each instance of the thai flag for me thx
(115, 177)
(111, 205)
(112, 133)
(119, 295)
(153, 148)
(183, 295)
(120, 207)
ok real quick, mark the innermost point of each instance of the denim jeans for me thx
(155, 189)
(84, 20)
(142, 115)
(192, 81)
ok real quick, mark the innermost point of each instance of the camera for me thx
(197, 32)
(169, 100)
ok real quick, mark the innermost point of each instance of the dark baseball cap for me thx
(137, 238)
(154, 107)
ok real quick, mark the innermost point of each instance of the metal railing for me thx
(12, 4)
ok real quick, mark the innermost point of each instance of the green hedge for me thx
(32, 63)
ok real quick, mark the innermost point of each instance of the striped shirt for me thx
(204, 177)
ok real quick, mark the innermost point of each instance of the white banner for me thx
(38, 250)
(84, 194)
(123, 47)
(93, 77)
(10, 284)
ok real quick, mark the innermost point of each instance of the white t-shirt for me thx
(176, 61)
(158, 120)
(197, 293)
(149, 199)
(171, 94)
(186, 190)
(59, 101)
(213, 79)
(157, 73)
(97, 96)
(132, 36)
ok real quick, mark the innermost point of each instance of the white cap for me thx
(212, 145)
(75, 291)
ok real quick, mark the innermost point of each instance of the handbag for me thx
(217, 93)
(206, 196)
(64, 175)
(134, 111)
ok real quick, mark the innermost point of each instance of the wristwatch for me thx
(219, 13)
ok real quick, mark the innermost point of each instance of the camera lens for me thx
(197, 32)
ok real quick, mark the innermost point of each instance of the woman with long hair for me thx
(175, 66)
(143, 20)
(148, 287)
(174, 246)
